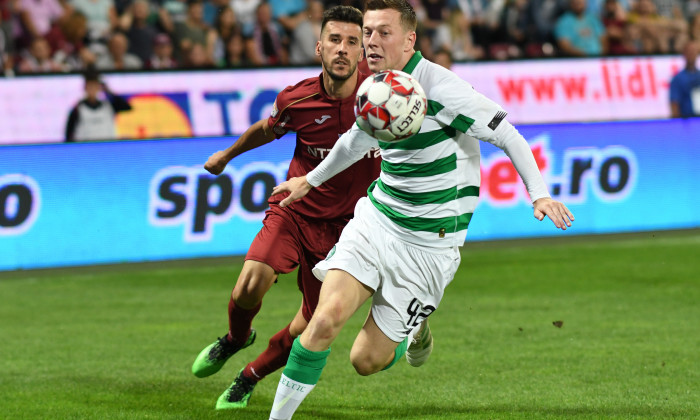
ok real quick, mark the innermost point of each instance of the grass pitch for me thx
(117, 342)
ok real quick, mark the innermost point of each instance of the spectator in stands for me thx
(694, 31)
(542, 17)
(455, 37)
(477, 12)
(597, 7)
(137, 23)
(267, 44)
(656, 33)
(443, 57)
(118, 57)
(684, 91)
(38, 58)
(614, 20)
(8, 9)
(692, 8)
(236, 52)
(211, 10)
(162, 57)
(101, 17)
(512, 29)
(225, 26)
(245, 11)
(93, 118)
(288, 13)
(37, 17)
(193, 31)
(678, 26)
(197, 58)
(435, 13)
(172, 12)
(67, 40)
(302, 50)
(578, 33)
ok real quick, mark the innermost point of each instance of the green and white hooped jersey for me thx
(428, 187)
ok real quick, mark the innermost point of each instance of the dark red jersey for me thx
(318, 121)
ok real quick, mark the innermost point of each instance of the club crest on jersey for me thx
(321, 120)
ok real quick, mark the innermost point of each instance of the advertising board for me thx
(107, 202)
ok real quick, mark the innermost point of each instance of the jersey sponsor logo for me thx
(500, 115)
(321, 120)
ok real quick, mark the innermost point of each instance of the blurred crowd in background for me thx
(43, 36)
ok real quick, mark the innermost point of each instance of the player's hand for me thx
(555, 210)
(216, 163)
(297, 188)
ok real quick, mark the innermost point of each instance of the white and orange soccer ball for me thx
(390, 106)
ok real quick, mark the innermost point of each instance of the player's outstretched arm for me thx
(297, 187)
(255, 136)
(555, 210)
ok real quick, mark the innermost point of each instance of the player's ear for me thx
(410, 41)
(318, 48)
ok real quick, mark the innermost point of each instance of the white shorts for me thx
(408, 280)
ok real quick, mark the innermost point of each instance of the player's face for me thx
(387, 44)
(340, 49)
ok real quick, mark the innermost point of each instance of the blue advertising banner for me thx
(129, 201)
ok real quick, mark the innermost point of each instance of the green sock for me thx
(398, 353)
(299, 377)
(304, 365)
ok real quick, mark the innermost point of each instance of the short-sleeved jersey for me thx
(318, 121)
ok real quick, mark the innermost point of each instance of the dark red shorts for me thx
(288, 240)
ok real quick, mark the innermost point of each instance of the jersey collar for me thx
(413, 62)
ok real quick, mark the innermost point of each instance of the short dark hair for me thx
(91, 74)
(408, 16)
(346, 14)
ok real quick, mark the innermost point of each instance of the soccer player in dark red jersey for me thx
(319, 110)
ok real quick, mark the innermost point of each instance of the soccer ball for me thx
(390, 106)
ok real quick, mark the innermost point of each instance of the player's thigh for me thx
(341, 295)
(276, 246)
(372, 350)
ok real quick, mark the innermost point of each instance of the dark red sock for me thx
(239, 322)
(274, 357)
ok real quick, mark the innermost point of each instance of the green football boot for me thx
(215, 355)
(238, 394)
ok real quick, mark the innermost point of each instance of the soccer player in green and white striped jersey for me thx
(401, 248)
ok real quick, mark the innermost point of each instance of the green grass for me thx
(117, 342)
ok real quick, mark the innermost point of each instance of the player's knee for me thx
(365, 364)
